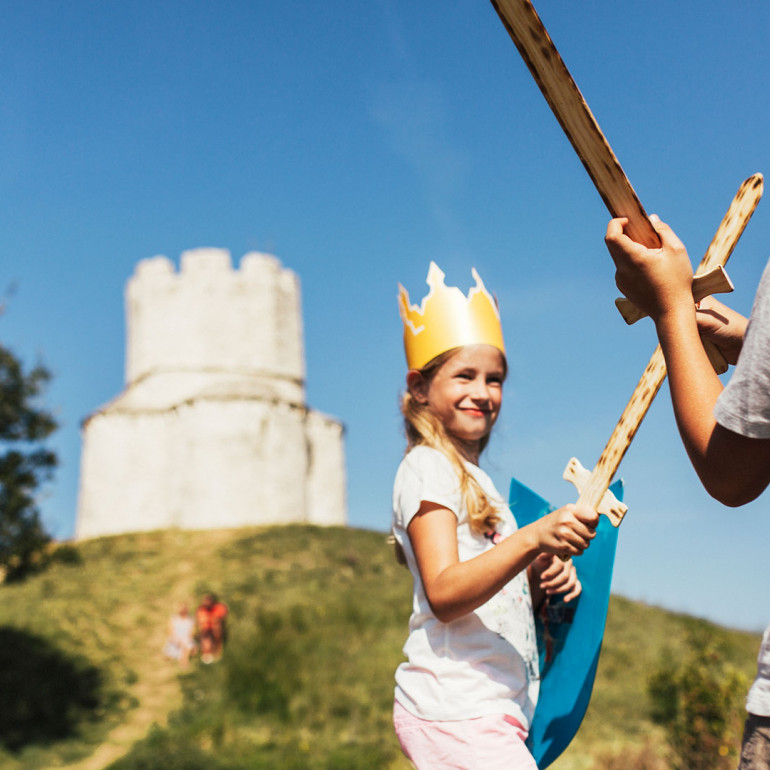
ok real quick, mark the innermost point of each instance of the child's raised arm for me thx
(455, 588)
(732, 467)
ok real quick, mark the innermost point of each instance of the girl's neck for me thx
(469, 450)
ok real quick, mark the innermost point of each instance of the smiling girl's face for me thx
(465, 394)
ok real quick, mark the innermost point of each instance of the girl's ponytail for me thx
(423, 428)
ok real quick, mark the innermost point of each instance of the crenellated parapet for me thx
(210, 316)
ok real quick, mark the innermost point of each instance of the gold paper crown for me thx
(448, 319)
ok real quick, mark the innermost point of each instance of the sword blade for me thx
(576, 119)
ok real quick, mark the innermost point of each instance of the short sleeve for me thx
(744, 405)
(427, 475)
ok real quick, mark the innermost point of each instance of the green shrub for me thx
(697, 698)
(66, 553)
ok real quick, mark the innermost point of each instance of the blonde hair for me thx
(424, 428)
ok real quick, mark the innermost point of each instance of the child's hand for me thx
(568, 531)
(655, 280)
(723, 326)
(554, 576)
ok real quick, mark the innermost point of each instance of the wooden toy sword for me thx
(593, 486)
(571, 110)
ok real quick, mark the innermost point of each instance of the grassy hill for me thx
(318, 619)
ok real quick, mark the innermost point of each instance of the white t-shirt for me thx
(485, 662)
(744, 408)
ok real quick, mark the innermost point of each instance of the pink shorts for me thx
(494, 742)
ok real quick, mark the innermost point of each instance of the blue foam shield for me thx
(569, 634)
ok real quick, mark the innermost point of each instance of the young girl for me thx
(466, 694)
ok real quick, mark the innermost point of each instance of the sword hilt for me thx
(714, 281)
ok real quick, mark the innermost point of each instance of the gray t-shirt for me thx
(744, 405)
(758, 699)
(744, 408)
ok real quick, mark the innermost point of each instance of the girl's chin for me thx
(471, 438)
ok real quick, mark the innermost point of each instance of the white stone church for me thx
(212, 429)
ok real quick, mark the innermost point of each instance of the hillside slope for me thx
(318, 618)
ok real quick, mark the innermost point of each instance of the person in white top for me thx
(726, 431)
(180, 643)
(465, 695)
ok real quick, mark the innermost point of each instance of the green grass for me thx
(318, 619)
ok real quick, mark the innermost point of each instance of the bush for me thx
(697, 699)
(68, 554)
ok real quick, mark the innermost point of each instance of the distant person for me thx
(180, 643)
(726, 431)
(467, 692)
(211, 621)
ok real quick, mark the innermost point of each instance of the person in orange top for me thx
(210, 619)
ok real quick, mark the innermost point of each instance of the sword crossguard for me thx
(609, 505)
(704, 284)
(714, 281)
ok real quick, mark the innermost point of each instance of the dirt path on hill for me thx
(157, 688)
(158, 694)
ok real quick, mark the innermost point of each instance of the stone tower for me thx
(212, 429)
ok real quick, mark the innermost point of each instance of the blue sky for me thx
(356, 142)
